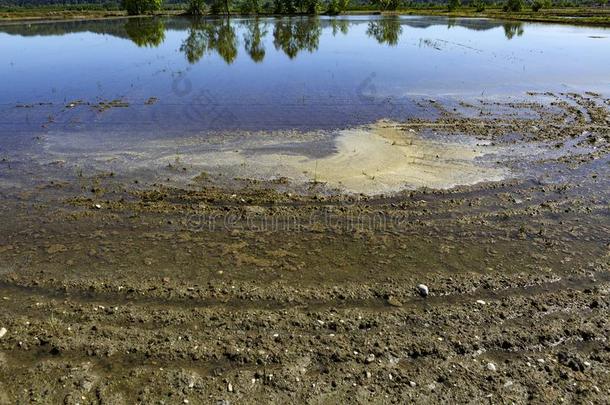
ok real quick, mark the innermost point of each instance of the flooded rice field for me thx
(239, 210)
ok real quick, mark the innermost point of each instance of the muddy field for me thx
(120, 289)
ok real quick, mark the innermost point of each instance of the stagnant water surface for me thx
(225, 95)
(173, 76)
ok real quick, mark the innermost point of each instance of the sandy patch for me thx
(379, 158)
(371, 160)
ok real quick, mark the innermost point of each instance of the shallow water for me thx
(298, 98)
(174, 76)
(373, 159)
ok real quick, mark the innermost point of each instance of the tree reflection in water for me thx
(385, 30)
(253, 39)
(293, 35)
(205, 36)
(145, 32)
(512, 29)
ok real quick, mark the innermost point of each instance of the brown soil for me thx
(242, 291)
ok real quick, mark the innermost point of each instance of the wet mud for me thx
(173, 284)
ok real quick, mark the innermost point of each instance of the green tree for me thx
(479, 5)
(453, 5)
(196, 7)
(513, 5)
(278, 6)
(137, 7)
(333, 7)
(221, 6)
(250, 7)
(385, 5)
(284, 7)
(337, 6)
(268, 6)
(540, 4)
(312, 6)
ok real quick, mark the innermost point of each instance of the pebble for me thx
(368, 374)
(394, 302)
(491, 367)
(3, 332)
(412, 383)
(422, 289)
(370, 358)
(230, 387)
(97, 206)
(481, 302)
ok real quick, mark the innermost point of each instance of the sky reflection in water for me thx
(179, 75)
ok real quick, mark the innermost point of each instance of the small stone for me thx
(394, 302)
(230, 387)
(491, 367)
(3, 332)
(481, 302)
(412, 383)
(97, 206)
(56, 248)
(422, 289)
(368, 374)
(370, 358)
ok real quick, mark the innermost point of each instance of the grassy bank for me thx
(55, 13)
(70, 12)
(571, 15)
